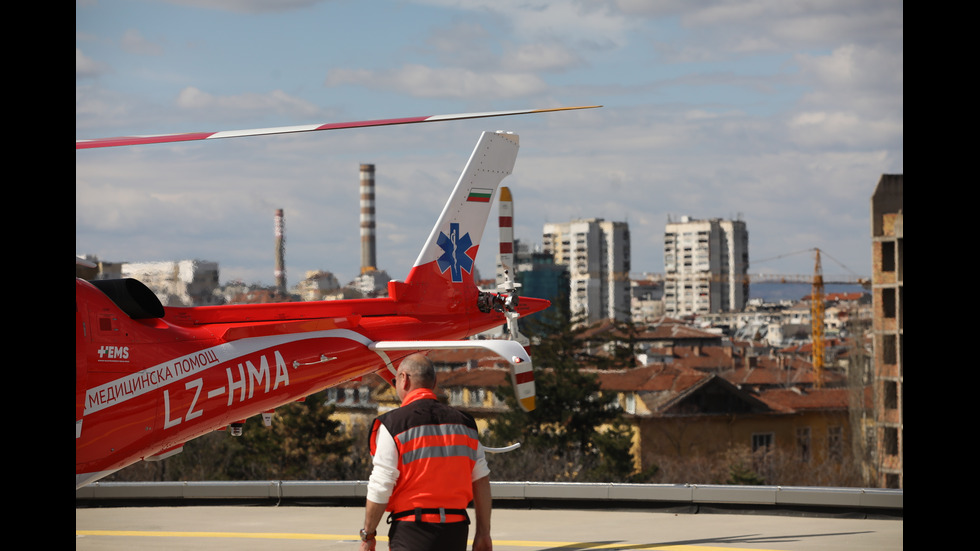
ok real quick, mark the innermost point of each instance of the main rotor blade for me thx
(195, 136)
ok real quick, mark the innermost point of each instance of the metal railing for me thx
(524, 494)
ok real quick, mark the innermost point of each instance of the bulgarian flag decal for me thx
(478, 195)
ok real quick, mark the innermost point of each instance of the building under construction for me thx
(887, 278)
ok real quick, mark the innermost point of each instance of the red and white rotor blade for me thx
(196, 136)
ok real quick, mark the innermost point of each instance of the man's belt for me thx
(419, 511)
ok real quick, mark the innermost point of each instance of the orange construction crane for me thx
(816, 321)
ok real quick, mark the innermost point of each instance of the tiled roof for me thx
(659, 329)
(676, 331)
(769, 380)
(705, 357)
(488, 377)
(651, 378)
(814, 399)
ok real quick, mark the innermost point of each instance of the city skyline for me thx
(781, 115)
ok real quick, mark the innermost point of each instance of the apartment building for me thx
(597, 255)
(705, 266)
(177, 283)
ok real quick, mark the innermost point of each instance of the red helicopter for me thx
(149, 378)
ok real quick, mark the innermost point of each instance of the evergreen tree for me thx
(570, 408)
(615, 456)
(303, 443)
(621, 340)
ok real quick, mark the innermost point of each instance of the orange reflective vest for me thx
(437, 449)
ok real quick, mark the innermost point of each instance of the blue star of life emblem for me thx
(454, 257)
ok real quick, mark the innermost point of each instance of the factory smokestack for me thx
(280, 229)
(368, 259)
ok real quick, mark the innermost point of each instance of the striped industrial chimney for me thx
(368, 258)
(280, 230)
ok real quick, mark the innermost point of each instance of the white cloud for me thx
(845, 129)
(275, 102)
(587, 22)
(715, 30)
(540, 56)
(855, 69)
(250, 6)
(434, 82)
(856, 99)
(86, 67)
(134, 43)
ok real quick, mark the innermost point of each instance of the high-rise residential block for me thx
(706, 264)
(597, 255)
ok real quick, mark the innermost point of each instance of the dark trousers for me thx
(421, 536)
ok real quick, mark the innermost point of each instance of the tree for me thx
(621, 340)
(615, 456)
(570, 410)
(303, 443)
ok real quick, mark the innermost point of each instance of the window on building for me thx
(762, 441)
(803, 444)
(456, 396)
(888, 256)
(630, 403)
(891, 481)
(889, 353)
(888, 302)
(477, 397)
(890, 441)
(835, 443)
(891, 394)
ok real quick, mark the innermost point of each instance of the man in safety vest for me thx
(428, 466)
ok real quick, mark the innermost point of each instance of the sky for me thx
(781, 114)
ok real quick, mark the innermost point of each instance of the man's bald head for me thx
(420, 371)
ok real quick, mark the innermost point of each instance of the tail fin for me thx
(450, 252)
(442, 277)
